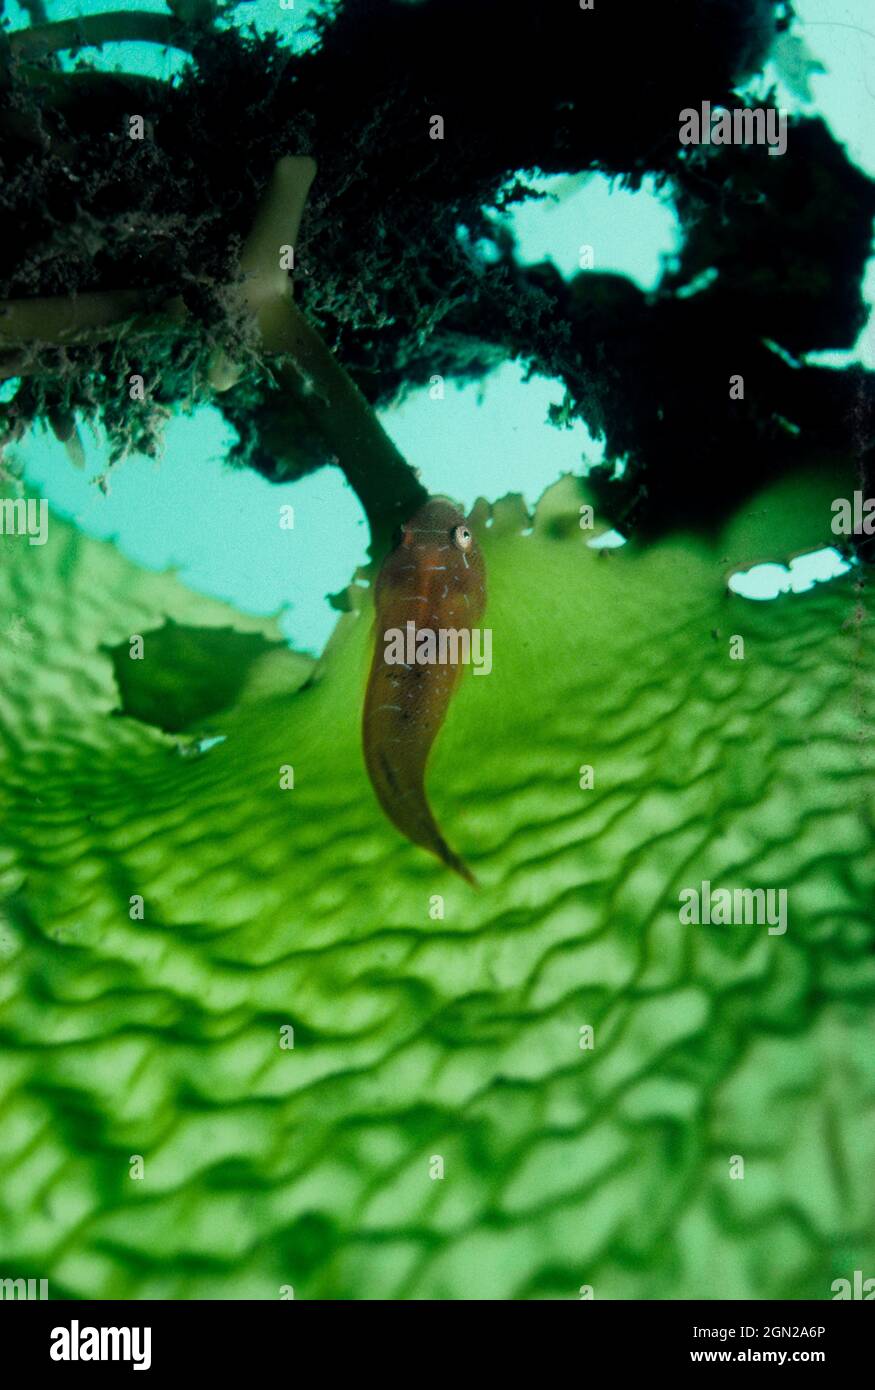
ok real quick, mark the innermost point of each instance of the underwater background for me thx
(287, 1068)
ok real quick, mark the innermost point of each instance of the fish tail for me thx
(455, 862)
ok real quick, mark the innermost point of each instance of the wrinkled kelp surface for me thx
(417, 1037)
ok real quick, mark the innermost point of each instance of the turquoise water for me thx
(220, 528)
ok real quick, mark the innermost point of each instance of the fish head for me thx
(438, 556)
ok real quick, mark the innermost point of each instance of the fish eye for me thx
(462, 537)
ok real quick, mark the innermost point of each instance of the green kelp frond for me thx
(459, 1037)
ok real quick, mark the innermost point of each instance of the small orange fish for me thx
(436, 580)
